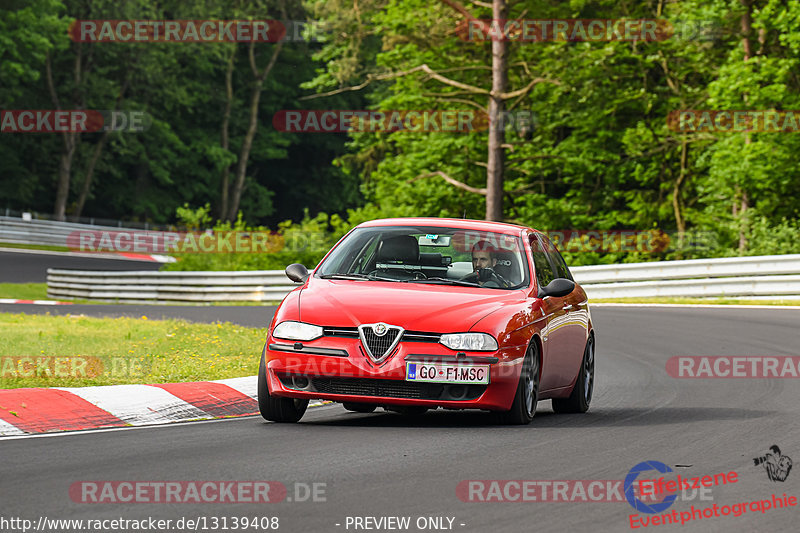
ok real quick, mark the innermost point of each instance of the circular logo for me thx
(380, 329)
(636, 503)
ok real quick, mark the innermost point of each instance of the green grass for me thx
(45, 247)
(24, 291)
(693, 301)
(76, 351)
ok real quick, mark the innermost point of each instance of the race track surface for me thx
(387, 465)
(30, 266)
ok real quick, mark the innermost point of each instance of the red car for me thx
(414, 314)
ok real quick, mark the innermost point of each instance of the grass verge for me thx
(24, 291)
(44, 247)
(77, 351)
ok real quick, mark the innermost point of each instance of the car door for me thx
(555, 367)
(576, 320)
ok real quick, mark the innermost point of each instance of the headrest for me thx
(430, 259)
(400, 249)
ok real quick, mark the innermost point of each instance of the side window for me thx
(544, 271)
(561, 266)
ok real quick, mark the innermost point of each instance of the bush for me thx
(305, 242)
(309, 240)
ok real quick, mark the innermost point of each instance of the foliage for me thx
(194, 219)
(304, 242)
(178, 159)
(600, 157)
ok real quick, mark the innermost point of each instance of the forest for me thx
(578, 128)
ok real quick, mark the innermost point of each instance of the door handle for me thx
(567, 307)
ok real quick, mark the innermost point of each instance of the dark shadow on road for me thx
(545, 418)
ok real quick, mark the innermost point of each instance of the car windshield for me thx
(429, 255)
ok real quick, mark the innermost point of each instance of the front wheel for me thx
(581, 397)
(524, 406)
(276, 408)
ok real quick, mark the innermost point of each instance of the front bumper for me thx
(337, 369)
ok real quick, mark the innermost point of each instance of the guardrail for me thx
(46, 232)
(54, 233)
(756, 277)
(90, 221)
(169, 287)
(763, 276)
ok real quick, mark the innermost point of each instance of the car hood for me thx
(414, 307)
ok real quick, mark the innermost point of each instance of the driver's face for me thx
(482, 260)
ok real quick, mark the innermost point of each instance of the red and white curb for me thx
(34, 302)
(159, 258)
(44, 410)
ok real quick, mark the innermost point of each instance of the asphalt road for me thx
(387, 465)
(30, 266)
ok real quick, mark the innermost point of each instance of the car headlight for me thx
(297, 331)
(473, 342)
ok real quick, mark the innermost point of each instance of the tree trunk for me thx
(743, 207)
(226, 117)
(244, 152)
(87, 182)
(496, 152)
(676, 204)
(748, 52)
(64, 172)
(247, 142)
(70, 139)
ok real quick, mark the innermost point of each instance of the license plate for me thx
(447, 373)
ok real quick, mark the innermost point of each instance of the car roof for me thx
(459, 223)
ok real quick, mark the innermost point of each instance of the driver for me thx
(484, 259)
(484, 255)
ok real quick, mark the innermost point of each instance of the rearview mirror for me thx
(434, 240)
(558, 287)
(297, 273)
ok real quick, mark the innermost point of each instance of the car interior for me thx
(400, 257)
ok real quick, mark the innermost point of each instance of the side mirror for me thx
(297, 273)
(558, 287)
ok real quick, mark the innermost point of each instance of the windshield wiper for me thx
(345, 276)
(445, 280)
(356, 277)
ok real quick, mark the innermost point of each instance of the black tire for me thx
(581, 395)
(277, 408)
(523, 408)
(360, 407)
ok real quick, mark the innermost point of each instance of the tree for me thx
(454, 89)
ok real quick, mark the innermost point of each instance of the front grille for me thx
(408, 336)
(384, 388)
(387, 388)
(340, 332)
(378, 346)
(420, 336)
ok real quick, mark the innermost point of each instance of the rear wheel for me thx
(581, 396)
(277, 408)
(359, 407)
(524, 406)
